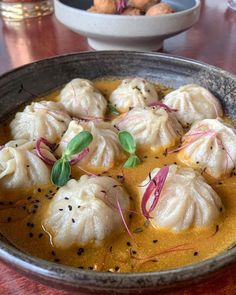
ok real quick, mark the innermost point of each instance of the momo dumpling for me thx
(151, 127)
(133, 93)
(193, 103)
(21, 168)
(185, 201)
(40, 119)
(86, 211)
(82, 99)
(210, 145)
(104, 150)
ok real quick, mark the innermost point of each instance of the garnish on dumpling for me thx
(193, 103)
(20, 166)
(152, 127)
(104, 151)
(85, 211)
(40, 119)
(210, 145)
(81, 99)
(133, 93)
(179, 198)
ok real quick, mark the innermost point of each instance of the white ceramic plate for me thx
(111, 32)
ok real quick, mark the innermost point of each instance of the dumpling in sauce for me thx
(152, 128)
(21, 168)
(193, 103)
(104, 150)
(186, 200)
(210, 145)
(86, 211)
(81, 99)
(133, 93)
(40, 119)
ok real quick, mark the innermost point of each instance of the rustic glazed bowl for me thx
(116, 32)
(46, 75)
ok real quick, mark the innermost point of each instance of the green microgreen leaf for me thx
(78, 143)
(127, 142)
(132, 162)
(112, 109)
(61, 171)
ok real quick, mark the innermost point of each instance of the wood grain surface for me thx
(212, 40)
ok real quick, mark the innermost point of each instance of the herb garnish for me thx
(112, 109)
(61, 169)
(128, 144)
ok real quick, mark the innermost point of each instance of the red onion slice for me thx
(162, 105)
(157, 184)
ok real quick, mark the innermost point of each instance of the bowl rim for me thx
(129, 17)
(84, 278)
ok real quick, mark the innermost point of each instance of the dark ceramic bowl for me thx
(43, 76)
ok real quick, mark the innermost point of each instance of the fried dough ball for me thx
(142, 4)
(131, 11)
(104, 6)
(158, 9)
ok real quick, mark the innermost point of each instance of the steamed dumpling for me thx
(153, 128)
(186, 200)
(82, 99)
(193, 103)
(81, 212)
(21, 168)
(104, 150)
(133, 93)
(210, 145)
(40, 119)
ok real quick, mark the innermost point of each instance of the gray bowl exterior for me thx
(109, 32)
(46, 75)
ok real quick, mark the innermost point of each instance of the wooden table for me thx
(212, 40)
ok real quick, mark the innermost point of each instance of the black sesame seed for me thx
(34, 211)
(80, 267)
(31, 235)
(50, 191)
(73, 220)
(145, 157)
(117, 268)
(110, 249)
(156, 157)
(70, 207)
(29, 198)
(56, 260)
(128, 244)
(28, 224)
(36, 206)
(155, 241)
(134, 252)
(39, 190)
(130, 216)
(27, 166)
(61, 209)
(220, 183)
(234, 173)
(40, 235)
(53, 253)
(9, 219)
(66, 198)
(197, 162)
(79, 206)
(221, 209)
(195, 253)
(90, 267)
